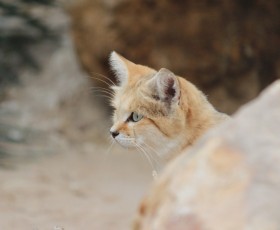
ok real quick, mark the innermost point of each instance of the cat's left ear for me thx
(167, 86)
(120, 66)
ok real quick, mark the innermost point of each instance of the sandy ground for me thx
(81, 189)
(60, 172)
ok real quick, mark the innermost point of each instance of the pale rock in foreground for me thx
(230, 180)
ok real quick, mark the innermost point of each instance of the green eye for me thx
(135, 117)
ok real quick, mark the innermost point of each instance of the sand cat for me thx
(157, 111)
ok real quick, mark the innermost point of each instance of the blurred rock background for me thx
(58, 168)
(230, 49)
(54, 128)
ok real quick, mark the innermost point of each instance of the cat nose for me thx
(114, 133)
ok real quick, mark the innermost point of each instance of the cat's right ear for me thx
(165, 86)
(120, 66)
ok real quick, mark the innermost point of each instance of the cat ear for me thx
(167, 86)
(120, 66)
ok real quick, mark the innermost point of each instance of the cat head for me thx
(147, 108)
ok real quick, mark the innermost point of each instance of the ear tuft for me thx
(119, 67)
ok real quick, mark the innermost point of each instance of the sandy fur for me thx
(167, 127)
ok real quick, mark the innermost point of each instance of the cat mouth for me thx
(126, 142)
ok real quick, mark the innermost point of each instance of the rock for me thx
(229, 180)
(221, 46)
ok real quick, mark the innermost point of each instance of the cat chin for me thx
(125, 142)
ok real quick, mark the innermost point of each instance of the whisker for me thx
(105, 93)
(105, 77)
(102, 89)
(155, 157)
(109, 149)
(146, 155)
(154, 172)
(151, 156)
(101, 95)
(105, 156)
(151, 148)
(102, 92)
(101, 80)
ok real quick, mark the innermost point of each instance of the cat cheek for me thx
(126, 131)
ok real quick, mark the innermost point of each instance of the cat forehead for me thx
(132, 89)
(137, 102)
(124, 99)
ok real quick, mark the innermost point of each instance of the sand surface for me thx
(80, 189)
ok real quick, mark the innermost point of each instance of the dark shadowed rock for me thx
(230, 49)
(229, 180)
